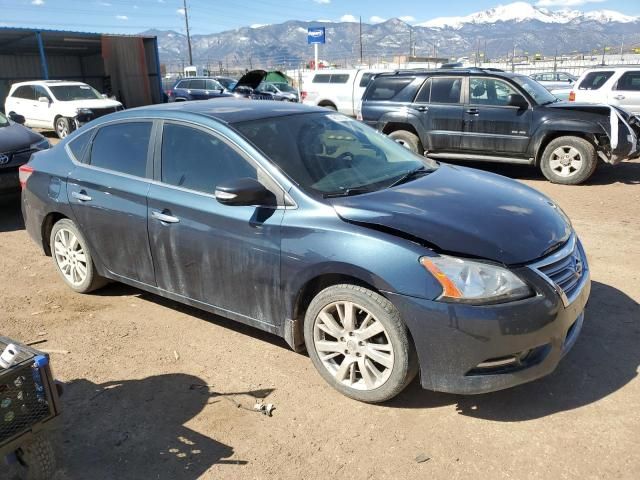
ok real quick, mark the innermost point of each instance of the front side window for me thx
(122, 147)
(594, 80)
(331, 154)
(198, 160)
(489, 91)
(41, 92)
(630, 81)
(69, 93)
(446, 90)
(213, 85)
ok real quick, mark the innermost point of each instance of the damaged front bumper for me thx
(624, 130)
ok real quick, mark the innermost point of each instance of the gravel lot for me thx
(132, 410)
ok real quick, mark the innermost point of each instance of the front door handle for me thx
(422, 108)
(473, 111)
(81, 196)
(619, 97)
(164, 217)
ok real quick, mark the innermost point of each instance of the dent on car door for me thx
(226, 257)
(108, 196)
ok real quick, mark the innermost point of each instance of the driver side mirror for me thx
(517, 100)
(104, 95)
(43, 99)
(17, 118)
(244, 192)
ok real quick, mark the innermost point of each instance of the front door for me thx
(626, 92)
(439, 107)
(227, 257)
(108, 196)
(42, 111)
(491, 126)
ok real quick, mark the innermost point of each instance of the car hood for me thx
(97, 103)
(466, 212)
(16, 137)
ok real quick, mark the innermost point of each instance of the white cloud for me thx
(565, 3)
(322, 2)
(376, 19)
(180, 11)
(122, 17)
(407, 18)
(105, 4)
(348, 18)
(37, 2)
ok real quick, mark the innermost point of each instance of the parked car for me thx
(251, 86)
(561, 93)
(494, 116)
(197, 89)
(17, 143)
(339, 90)
(311, 225)
(554, 80)
(58, 105)
(617, 86)
(280, 91)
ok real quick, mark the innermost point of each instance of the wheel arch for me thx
(327, 103)
(550, 136)
(47, 225)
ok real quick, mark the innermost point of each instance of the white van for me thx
(339, 90)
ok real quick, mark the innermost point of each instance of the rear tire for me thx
(359, 344)
(73, 259)
(569, 160)
(408, 140)
(37, 459)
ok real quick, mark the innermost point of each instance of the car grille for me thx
(565, 270)
(16, 158)
(99, 112)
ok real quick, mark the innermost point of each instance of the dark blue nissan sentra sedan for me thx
(310, 225)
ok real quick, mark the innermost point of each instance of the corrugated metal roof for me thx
(69, 32)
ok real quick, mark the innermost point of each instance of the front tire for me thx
(408, 140)
(63, 127)
(569, 160)
(359, 344)
(73, 259)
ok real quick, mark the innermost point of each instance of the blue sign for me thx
(315, 35)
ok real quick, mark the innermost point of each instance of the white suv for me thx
(58, 105)
(619, 86)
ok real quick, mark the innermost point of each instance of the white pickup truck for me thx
(339, 90)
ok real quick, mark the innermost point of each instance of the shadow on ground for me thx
(135, 429)
(605, 174)
(605, 359)
(10, 213)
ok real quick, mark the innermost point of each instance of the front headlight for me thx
(40, 145)
(84, 111)
(467, 281)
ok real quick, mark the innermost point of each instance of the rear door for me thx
(439, 106)
(23, 103)
(223, 256)
(491, 126)
(626, 92)
(108, 195)
(197, 89)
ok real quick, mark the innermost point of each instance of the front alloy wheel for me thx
(358, 343)
(569, 160)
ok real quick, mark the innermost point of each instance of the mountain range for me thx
(496, 32)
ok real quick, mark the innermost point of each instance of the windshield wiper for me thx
(347, 192)
(411, 174)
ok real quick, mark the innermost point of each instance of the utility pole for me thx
(360, 40)
(410, 40)
(186, 21)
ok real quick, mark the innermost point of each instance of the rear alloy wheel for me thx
(63, 127)
(71, 255)
(408, 140)
(358, 343)
(569, 160)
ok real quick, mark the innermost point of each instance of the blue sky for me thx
(208, 16)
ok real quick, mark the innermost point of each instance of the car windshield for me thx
(3, 120)
(331, 154)
(284, 87)
(540, 94)
(68, 93)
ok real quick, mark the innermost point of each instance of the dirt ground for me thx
(157, 390)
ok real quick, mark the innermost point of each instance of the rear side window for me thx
(122, 148)
(594, 80)
(183, 84)
(197, 160)
(339, 78)
(25, 91)
(445, 90)
(387, 88)
(322, 78)
(78, 146)
(366, 78)
(630, 81)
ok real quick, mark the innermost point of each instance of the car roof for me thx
(451, 71)
(229, 110)
(48, 82)
(616, 68)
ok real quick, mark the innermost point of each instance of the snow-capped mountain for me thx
(523, 12)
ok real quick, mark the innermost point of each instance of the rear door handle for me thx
(619, 97)
(81, 196)
(473, 111)
(422, 108)
(164, 217)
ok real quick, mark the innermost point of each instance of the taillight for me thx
(572, 96)
(24, 172)
(303, 96)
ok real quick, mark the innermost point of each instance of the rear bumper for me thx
(463, 349)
